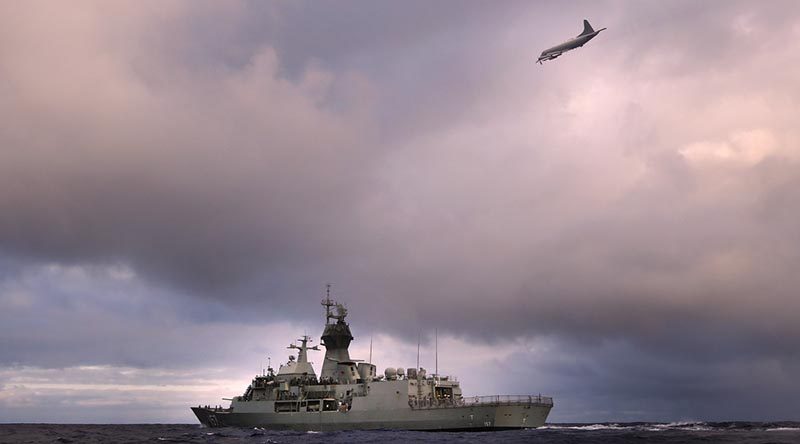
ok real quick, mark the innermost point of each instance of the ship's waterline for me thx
(350, 395)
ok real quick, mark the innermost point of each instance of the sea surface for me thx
(683, 432)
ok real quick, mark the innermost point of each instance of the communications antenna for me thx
(419, 334)
(437, 353)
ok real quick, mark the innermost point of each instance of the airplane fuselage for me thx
(587, 34)
(572, 43)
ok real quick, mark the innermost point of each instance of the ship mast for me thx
(328, 303)
(336, 337)
(302, 354)
(437, 356)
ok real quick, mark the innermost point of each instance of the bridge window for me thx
(329, 405)
(444, 392)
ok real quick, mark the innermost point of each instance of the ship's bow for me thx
(209, 417)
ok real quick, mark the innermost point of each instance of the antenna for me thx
(437, 353)
(370, 349)
(418, 339)
(328, 303)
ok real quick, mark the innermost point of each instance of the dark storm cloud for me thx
(57, 317)
(235, 157)
(616, 381)
(200, 179)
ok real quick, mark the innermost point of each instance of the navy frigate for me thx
(350, 395)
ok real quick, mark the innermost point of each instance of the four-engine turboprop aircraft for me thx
(587, 34)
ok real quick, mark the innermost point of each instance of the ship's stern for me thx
(517, 417)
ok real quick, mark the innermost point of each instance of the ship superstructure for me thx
(350, 395)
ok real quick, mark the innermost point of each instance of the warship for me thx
(350, 395)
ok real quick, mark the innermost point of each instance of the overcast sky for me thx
(618, 228)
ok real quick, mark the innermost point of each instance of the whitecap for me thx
(588, 427)
(689, 426)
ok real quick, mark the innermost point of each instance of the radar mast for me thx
(336, 337)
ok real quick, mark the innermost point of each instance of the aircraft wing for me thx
(549, 56)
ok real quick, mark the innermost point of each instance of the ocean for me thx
(684, 432)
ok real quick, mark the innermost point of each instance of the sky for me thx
(617, 228)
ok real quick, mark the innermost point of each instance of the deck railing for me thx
(474, 401)
(508, 399)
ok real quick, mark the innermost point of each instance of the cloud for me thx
(181, 176)
(197, 177)
(108, 394)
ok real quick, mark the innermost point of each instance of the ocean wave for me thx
(677, 426)
(631, 432)
(689, 426)
(686, 426)
(588, 427)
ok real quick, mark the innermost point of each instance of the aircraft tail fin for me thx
(587, 28)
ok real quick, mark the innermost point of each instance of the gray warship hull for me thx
(350, 395)
(499, 414)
